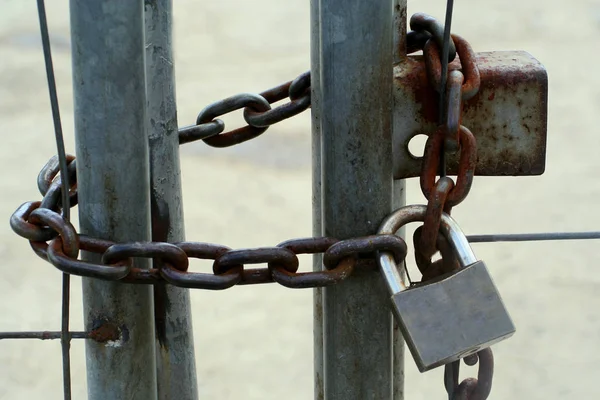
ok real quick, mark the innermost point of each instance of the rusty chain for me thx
(54, 239)
(257, 110)
(450, 135)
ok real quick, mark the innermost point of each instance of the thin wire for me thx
(66, 206)
(451, 374)
(60, 144)
(444, 77)
(531, 237)
(42, 335)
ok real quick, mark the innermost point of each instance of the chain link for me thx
(466, 165)
(425, 27)
(471, 388)
(468, 66)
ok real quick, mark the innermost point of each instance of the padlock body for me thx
(451, 317)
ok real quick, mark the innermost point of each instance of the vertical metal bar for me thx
(356, 128)
(315, 76)
(65, 338)
(113, 186)
(399, 30)
(399, 200)
(176, 369)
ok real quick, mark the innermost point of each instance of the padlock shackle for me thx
(416, 213)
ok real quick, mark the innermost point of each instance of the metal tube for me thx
(398, 201)
(526, 237)
(175, 362)
(42, 335)
(315, 59)
(113, 187)
(399, 31)
(356, 108)
(66, 207)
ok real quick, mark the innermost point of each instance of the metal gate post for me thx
(315, 99)
(175, 362)
(356, 132)
(399, 199)
(113, 187)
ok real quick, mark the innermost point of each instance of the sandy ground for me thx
(227, 47)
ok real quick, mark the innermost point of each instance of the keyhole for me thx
(416, 145)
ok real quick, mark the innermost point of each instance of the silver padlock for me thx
(450, 317)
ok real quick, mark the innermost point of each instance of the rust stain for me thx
(508, 116)
(161, 221)
(107, 331)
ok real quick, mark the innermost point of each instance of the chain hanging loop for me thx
(471, 388)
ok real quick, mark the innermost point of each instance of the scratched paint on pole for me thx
(176, 369)
(356, 58)
(113, 188)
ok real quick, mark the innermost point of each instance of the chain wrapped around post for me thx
(257, 110)
(54, 239)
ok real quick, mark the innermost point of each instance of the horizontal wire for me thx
(532, 237)
(43, 335)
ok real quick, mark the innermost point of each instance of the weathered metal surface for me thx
(109, 95)
(355, 91)
(175, 359)
(341, 259)
(400, 44)
(508, 116)
(317, 200)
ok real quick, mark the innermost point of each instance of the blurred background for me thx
(256, 342)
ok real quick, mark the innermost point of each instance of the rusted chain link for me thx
(471, 388)
(257, 110)
(171, 261)
(425, 27)
(466, 165)
(468, 66)
(47, 183)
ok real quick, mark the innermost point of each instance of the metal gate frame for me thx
(352, 52)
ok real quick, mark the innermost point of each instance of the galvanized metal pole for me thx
(113, 186)
(315, 76)
(175, 362)
(356, 128)
(399, 200)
